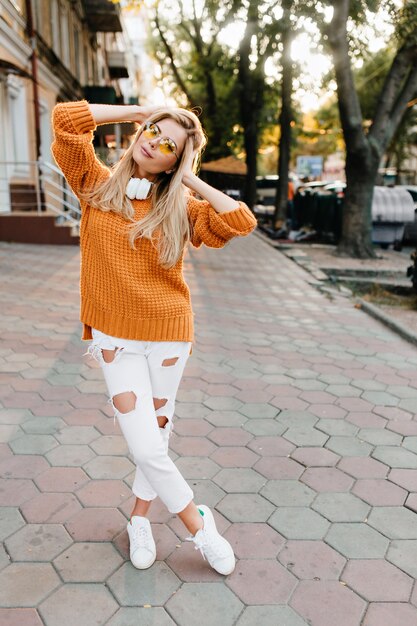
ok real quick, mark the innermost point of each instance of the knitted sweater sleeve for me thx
(73, 148)
(216, 229)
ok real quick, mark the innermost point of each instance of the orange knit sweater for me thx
(126, 292)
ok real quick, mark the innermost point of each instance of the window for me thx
(65, 45)
(54, 17)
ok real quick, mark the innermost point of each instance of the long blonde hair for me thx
(166, 224)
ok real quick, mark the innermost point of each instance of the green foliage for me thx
(370, 78)
(187, 48)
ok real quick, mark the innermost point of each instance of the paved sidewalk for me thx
(295, 420)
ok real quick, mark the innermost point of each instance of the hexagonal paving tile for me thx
(394, 456)
(239, 480)
(312, 560)
(206, 492)
(248, 582)
(315, 457)
(26, 584)
(326, 479)
(271, 446)
(234, 456)
(23, 466)
(192, 446)
(10, 521)
(357, 541)
(349, 446)
(270, 616)
(50, 508)
(78, 604)
(103, 493)
(363, 467)
(379, 492)
(77, 435)
(251, 541)
(15, 491)
(378, 581)
(134, 587)
(38, 542)
(306, 436)
(288, 493)
(215, 601)
(386, 613)
(343, 607)
(242, 507)
(17, 617)
(61, 479)
(299, 523)
(33, 444)
(132, 616)
(403, 554)
(406, 478)
(279, 468)
(341, 507)
(197, 467)
(188, 564)
(108, 467)
(231, 419)
(259, 410)
(88, 562)
(222, 403)
(70, 455)
(264, 427)
(296, 419)
(96, 524)
(395, 522)
(229, 436)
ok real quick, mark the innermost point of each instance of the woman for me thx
(137, 221)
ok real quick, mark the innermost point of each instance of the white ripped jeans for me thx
(137, 367)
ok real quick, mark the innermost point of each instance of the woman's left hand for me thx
(188, 173)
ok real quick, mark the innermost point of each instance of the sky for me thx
(314, 63)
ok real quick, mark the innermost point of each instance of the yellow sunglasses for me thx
(166, 145)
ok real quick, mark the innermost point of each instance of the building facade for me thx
(52, 51)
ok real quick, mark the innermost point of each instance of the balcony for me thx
(116, 61)
(102, 16)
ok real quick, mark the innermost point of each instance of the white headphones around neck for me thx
(138, 188)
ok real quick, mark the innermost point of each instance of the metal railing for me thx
(38, 186)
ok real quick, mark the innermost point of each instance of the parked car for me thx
(266, 189)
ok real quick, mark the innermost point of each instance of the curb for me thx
(370, 309)
(373, 311)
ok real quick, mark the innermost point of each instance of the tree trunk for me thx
(360, 156)
(356, 240)
(284, 147)
(251, 101)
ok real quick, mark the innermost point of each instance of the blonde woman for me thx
(137, 220)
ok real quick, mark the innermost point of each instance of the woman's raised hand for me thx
(188, 171)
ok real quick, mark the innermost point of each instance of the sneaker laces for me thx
(141, 538)
(208, 544)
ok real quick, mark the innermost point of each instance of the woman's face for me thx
(149, 158)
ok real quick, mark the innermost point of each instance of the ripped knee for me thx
(124, 402)
(158, 404)
(110, 356)
(170, 362)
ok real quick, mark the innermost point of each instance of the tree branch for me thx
(181, 84)
(404, 60)
(408, 92)
(348, 101)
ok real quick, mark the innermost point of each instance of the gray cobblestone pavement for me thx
(296, 421)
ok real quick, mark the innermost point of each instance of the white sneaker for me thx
(215, 548)
(142, 544)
